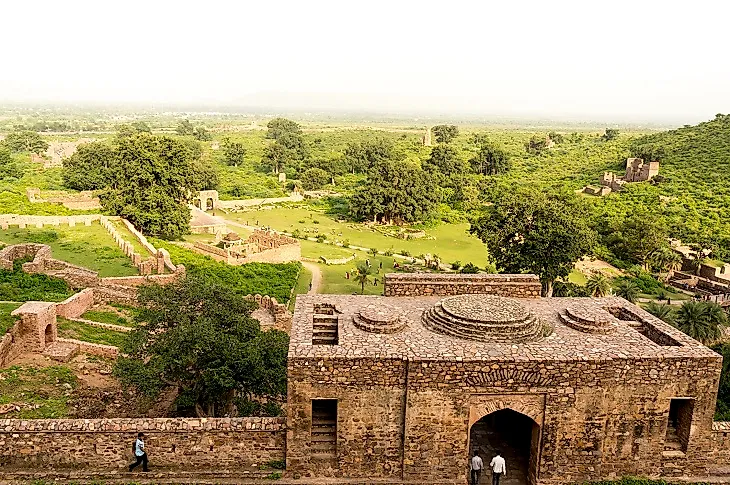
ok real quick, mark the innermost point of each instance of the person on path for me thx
(476, 468)
(499, 468)
(381, 265)
(139, 453)
(310, 286)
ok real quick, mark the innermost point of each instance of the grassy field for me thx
(6, 320)
(335, 282)
(88, 246)
(113, 318)
(88, 333)
(44, 393)
(450, 242)
(130, 238)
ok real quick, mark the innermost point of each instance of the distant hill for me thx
(695, 161)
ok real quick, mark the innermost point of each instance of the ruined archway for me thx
(516, 436)
(209, 204)
(48, 336)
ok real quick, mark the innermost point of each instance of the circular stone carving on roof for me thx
(378, 318)
(485, 318)
(587, 318)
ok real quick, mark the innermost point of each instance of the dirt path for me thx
(316, 277)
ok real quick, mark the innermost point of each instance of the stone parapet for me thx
(23, 221)
(75, 305)
(434, 284)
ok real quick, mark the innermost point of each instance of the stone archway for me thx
(516, 436)
(49, 335)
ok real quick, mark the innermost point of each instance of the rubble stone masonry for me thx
(238, 444)
(427, 284)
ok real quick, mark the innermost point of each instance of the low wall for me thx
(283, 254)
(239, 204)
(23, 221)
(172, 444)
(433, 284)
(142, 280)
(76, 305)
(99, 350)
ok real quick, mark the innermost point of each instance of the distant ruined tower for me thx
(426, 138)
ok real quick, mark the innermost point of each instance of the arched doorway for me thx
(516, 437)
(48, 334)
(209, 204)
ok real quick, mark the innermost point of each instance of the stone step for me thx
(61, 351)
(481, 326)
(483, 319)
(469, 330)
(582, 327)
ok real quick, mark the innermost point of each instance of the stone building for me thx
(406, 387)
(636, 171)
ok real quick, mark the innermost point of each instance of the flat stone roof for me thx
(414, 341)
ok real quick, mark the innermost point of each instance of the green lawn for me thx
(89, 333)
(107, 317)
(335, 282)
(313, 249)
(302, 286)
(6, 320)
(41, 393)
(451, 242)
(88, 246)
(577, 277)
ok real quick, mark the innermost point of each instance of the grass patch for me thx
(88, 333)
(39, 393)
(451, 242)
(302, 286)
(16, 285)
(335, 282)
(6, 320)
(88, 246)
(107, 317)
(130, 238)
(275, 280)
(577, 277)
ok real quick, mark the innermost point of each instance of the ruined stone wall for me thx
(75, 305)
(244, 203)
(282, 316)
(433, 284)
(597, 419)
(370, 394)
(143, 280)
(237, 444)
(23, 221)
(282, 254)
(99, 350)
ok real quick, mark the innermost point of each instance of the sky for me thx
(622, 60)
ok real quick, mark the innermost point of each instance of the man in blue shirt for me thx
(139, 453)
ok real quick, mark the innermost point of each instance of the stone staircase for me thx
(61, 351)
(324, 330)
(324, 432)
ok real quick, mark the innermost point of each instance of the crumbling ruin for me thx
(637, 170)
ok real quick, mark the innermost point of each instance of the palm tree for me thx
(628, 290)
(598, 284)
(663, 312)
(666, 261)
(363, 275)
(701, 320)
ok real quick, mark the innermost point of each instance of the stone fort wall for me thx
(597, 420)
(433, 284)
(238, 444)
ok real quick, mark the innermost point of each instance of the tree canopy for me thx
(314, 179)
(201, 339)
(395, 192)
(490, 159)
(25, 141)
(8, 167)
(443, 159)
(234, 152)
(445, 133)
(145, 178)
(279, 127)
(529, 231)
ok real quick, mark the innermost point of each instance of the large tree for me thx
(91, 167)
(640, 235)
(145, 178)
(234, 152)
(281, 126)
(200, 338)
(529, 231)
(26, 141)
(361, 157)
(314, 179)
(443, 159)
(395, 192)
(490, 158)
(445, 133)
(8, 166)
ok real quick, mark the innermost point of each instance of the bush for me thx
(388, 252)
(16, 285)
(456, 265)
(405, 253)
(321, 238)
(346, 243)
(469, 268)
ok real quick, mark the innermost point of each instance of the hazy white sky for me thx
(639, 59)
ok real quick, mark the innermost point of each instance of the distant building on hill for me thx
(636, 171)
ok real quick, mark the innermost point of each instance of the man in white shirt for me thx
(499, 468)
(139, 454)
(476, 468)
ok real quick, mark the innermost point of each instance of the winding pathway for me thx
(316, 277)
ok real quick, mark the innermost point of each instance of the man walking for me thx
(499, 468)
(476, 468)
(139, 454)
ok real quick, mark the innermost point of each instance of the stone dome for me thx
(588, 319)
(483, 318)
(378, 318)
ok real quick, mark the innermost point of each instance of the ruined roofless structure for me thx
(405, 387)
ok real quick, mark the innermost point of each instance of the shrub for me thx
(346, 243)
(456, 265)
(405, 253)
(469, 268)
(388, 252)
(321, 238)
